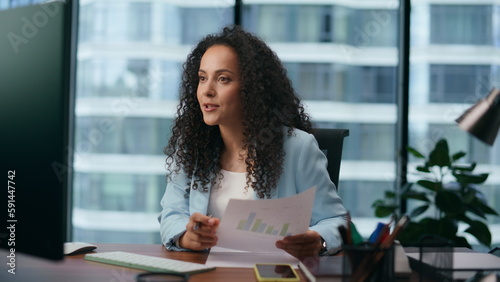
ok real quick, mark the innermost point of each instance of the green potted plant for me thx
(446, 194)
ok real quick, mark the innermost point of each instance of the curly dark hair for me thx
(269, 105)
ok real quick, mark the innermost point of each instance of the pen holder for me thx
(368, 263)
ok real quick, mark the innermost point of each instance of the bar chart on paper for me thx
(254, 224)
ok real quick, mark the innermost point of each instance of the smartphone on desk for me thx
(275, 272)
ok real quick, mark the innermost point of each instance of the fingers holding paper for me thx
(305, 244)
(200, 232)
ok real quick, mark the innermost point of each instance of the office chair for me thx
(330, 141)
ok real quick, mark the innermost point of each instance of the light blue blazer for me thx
(304, 166)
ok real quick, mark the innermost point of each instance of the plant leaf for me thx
(440, 156)
(445, 227)
(415, 153)
(469, 167)
(411, 234)
(418, 211)
(469, 196)
(431, 185)
(460, 241)
(390, 194)
(385, 210)
(465, 219)
(480, 230)
(464, 177)
(423, 169)
(475, 210)
(420, 196)
(457, 156)
(449, 202)
(377, 203)
(485, 208)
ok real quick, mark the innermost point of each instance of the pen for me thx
(198, 224)
(400, 225)
(377, 233)
(382, 233)
(356, 238)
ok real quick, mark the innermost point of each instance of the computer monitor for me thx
(37, 67)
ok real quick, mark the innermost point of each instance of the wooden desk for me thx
(77, 269)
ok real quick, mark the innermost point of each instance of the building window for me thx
(290, 23)
(370, 142)
(118, 192)
(459, 83)
(369, 84)
(115, 21)
(461, 24)
(312, 81)
(199, 22)
(114, 77)
(336, 82)
(119, 135)
(321, 23)
(369, 27)
(139, 21)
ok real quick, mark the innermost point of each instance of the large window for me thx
(342, 58)
(454, 62)
(129, 64)
(342, 61)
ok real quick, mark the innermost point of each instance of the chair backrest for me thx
(331, 141)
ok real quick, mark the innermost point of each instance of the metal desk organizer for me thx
(360, 263)
(372, 260)
(435, 259)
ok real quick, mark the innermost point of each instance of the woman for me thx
(241, 132)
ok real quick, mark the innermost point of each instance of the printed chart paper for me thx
(256, 225)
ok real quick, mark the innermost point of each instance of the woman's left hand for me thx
(302, 245)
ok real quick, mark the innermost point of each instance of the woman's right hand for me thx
(200, 232)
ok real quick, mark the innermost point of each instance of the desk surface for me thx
(77, 269)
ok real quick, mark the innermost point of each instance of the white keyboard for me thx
(148, 263)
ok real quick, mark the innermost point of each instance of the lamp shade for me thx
(483, 119)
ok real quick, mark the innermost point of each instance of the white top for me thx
(231, 186)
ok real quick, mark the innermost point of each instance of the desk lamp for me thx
(483, 119)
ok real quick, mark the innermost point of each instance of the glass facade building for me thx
(342, 58)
